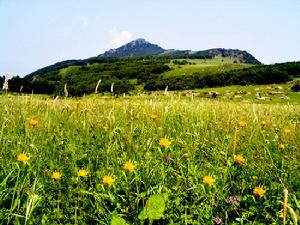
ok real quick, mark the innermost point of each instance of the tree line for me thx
(82, 76)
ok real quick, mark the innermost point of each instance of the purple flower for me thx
(218, 220)
(233, 199)
(167, 158)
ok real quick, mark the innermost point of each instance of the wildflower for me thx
(254, 177)
(33, 122)
(263, 123)
(22, 158)
(153, 117)
(287, 131)
(233, 199)
(218, 221)
(108, 180)
(129, 166)
(31, 146)
(164, 143)
(56, 175)
(259, 191)
(105, 126)
(242, 123)
(281, 146)
(239, 159)
(208, 180)
(168, 159)
(82, 173)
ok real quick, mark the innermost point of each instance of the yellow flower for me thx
(242, 123)
(164, 143)
(105, 126)
(108, 180)
(281, 146)
(33, 122)
(254, 177)
(239, 159)
(56, 175)
(23, 158)
(153, 117)
(259, 191)
(82, 173)
(263, 123)
(208, 180)
(287, 131)
(129, 166)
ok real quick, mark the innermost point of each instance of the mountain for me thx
(138, 47)
(141, 47)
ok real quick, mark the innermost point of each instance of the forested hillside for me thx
(148, 73)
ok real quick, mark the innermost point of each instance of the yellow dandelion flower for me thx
(208, 180)
(263, 123)
(239, 159)
(242, 123)
(105, 126)
(108, 180)
(281, 146)
(259, 191)
(164, 143)
(129, 166)
(82, 173)
(22, 158)
(287, 131)
(153, 117)
(33, 122)
(56, 175)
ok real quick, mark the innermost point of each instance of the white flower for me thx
(32, 145)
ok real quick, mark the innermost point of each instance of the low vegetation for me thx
(149, 159)
(132, 75)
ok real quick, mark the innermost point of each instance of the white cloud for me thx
(119, 38)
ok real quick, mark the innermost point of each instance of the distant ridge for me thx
(141, 47)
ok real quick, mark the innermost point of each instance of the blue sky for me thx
(37, 33)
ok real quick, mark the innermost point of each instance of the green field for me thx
(104, 160)
(202, 66)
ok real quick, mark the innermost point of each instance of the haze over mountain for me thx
(141, 47)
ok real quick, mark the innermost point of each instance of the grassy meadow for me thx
(149, 159)
(203, 66)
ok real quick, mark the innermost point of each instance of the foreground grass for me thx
(99, 135)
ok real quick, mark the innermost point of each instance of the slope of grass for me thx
(204, 66)
(100, 134)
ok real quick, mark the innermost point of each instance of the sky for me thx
(38, 33)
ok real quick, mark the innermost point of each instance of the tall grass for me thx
(100, 134)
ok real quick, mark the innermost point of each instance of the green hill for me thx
(140, 65)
